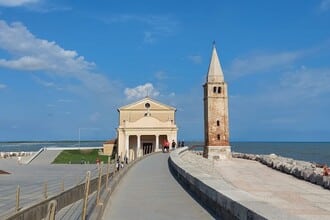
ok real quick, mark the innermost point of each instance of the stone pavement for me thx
(262, 188)
(149, 191)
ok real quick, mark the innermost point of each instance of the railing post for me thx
(18, 191)
(62, 185)
(99, 186)
(84, 211)
(108, 170)
(77, 180)
(51, 210)
(45, 190)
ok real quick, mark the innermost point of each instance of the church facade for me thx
(216, 123)
(144, 126)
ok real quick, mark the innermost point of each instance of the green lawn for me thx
(79, 156)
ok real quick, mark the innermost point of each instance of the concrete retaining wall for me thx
(220, 205)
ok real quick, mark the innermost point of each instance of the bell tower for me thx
(216, 123)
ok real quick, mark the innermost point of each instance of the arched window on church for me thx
(219, 90)
(218, 136)
(218, 123)
(214, 89)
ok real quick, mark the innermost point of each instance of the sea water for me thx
(318, 152)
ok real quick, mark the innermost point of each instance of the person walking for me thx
(118, 164)
(173, 144)
(166, 146)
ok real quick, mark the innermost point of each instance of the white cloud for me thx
(262, 63)
(141, 91)
(51, 105)
(15, 3)
(47, 83)
(196, 59)
(325, 5)
(64, 100)
(307, 83)
(41, 6)
(301, 87)
(156, 26)
(95, 117)
(33, 54)
(24, 63)
(3, 86)
(148, 37)
(161, 75)
(298, 98)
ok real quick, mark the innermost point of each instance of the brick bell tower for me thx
(216, 124)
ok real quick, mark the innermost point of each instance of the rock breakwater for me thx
(301, 169)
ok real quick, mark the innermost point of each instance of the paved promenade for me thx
(264, 190)
(149, 191)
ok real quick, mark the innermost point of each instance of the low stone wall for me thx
(218, 204)
(301, 169)
(15, 154)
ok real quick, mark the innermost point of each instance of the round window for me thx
(147, 105)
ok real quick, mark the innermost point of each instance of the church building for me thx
(216, 124)
(144, 126)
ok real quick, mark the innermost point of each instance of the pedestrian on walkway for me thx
(166, 145)
(118, 163)
(173, 144)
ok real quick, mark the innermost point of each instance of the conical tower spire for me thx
(215, 73)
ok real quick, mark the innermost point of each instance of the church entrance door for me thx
(147, 148)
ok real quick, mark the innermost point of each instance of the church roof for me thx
(141, 104)
(215, 73)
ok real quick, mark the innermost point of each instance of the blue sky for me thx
(67, 65)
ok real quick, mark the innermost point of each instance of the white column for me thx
(157, 143)
(138, 146)
(127, 146)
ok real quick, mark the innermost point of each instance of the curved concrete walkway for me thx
(149, 191)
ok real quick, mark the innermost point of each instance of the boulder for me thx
(326, 182)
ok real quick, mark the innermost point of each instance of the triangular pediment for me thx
(146, 103)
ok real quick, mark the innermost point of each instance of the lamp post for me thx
(79, 138)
